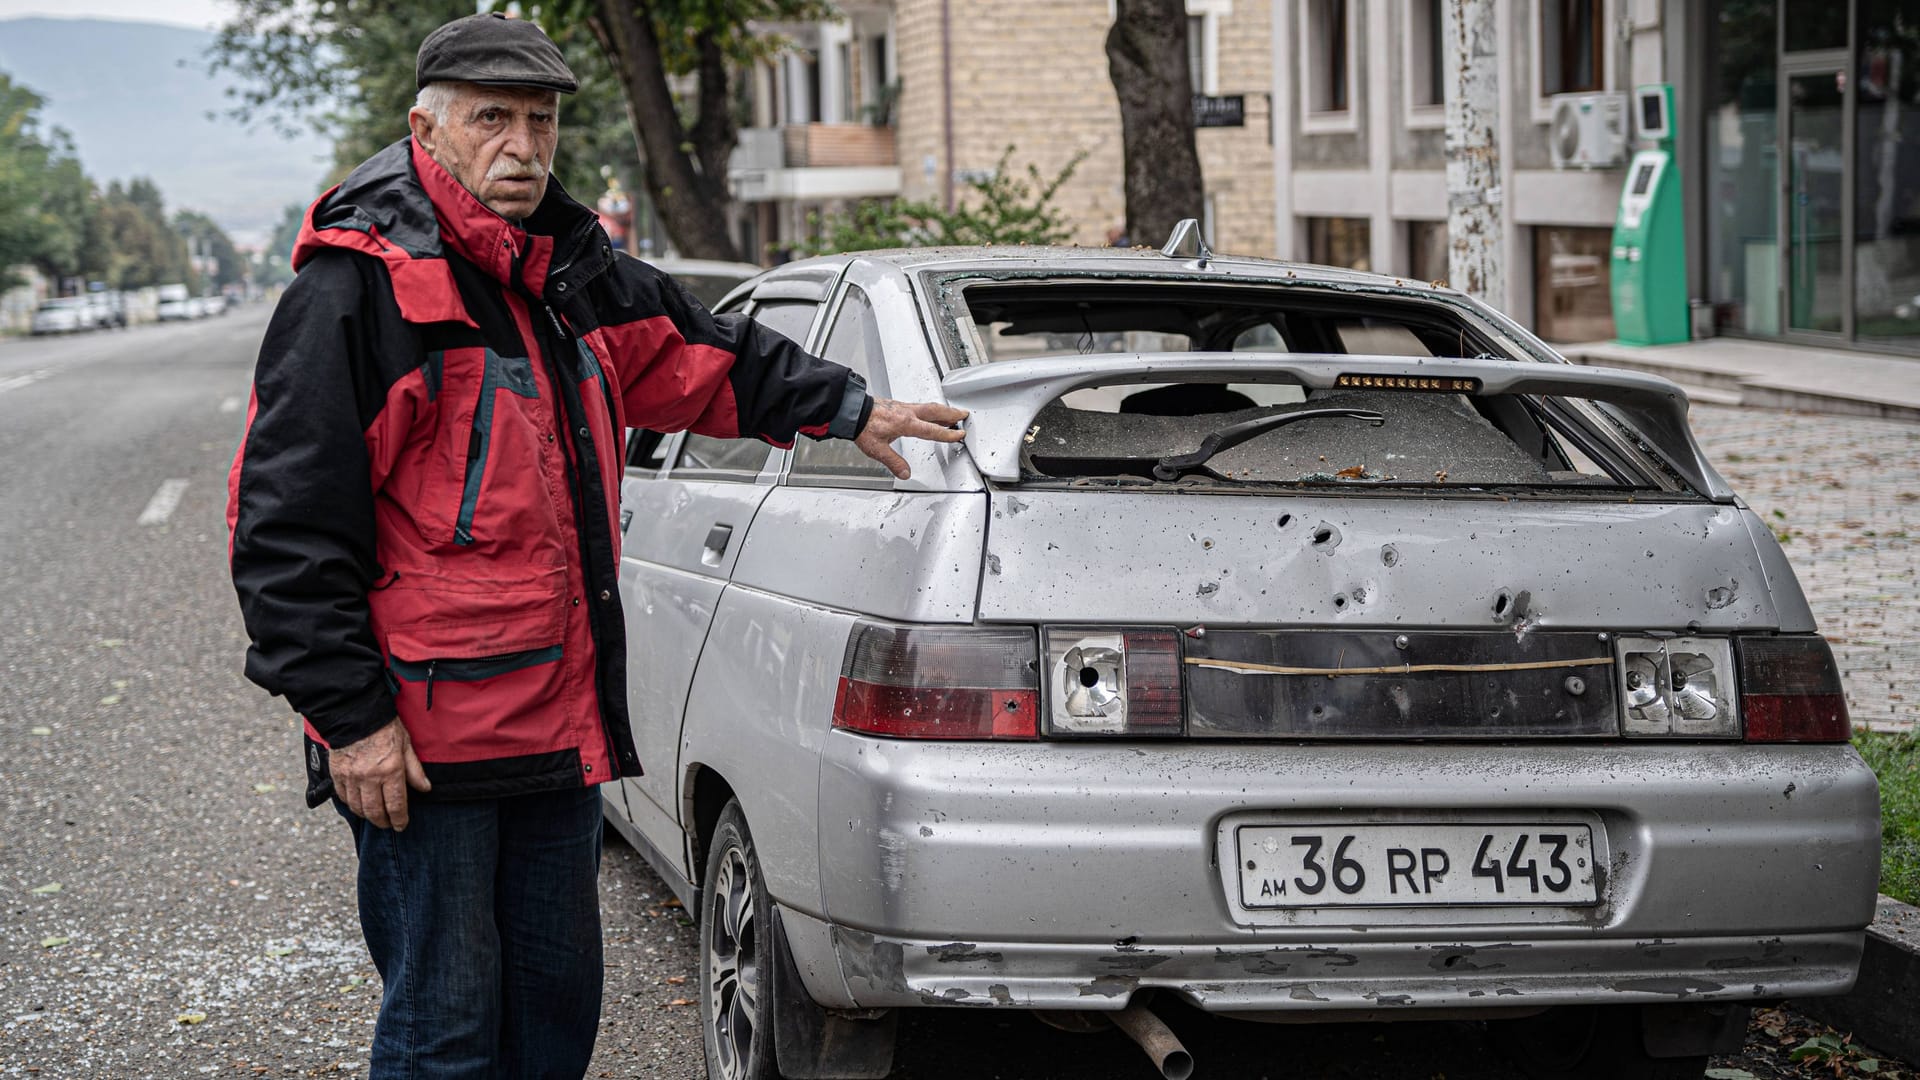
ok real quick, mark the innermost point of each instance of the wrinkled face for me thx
(498, 141)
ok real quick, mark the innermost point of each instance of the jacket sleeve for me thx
(682, 368)
(300, 507)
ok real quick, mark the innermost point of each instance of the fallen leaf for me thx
(283, 950)
(42, 731)
(47, 889)
(191, 1018)
(53, 942)
(673, 903)
(110, 699)
(262, 789)
(109, 643)
(119, 684)
(676, 980)
(677, 1002)
(1730, 1074)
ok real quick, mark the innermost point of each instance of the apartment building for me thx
(962, 81)
(1797, 129)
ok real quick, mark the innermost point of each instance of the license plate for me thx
(1410, 863)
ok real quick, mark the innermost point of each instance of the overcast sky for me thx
(201, 14)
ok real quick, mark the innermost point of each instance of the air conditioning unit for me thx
(1589, 131)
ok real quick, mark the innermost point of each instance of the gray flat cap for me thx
(493, 50)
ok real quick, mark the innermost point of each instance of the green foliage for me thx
(346, 69)
(31, 162)
(681, 25)
(1007, 207)
(1833, 1052)
(208, 239)
(1895, 759)
(137, 244)
(274, 265)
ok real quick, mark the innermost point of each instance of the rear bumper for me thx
(1348, 975)
(1056, 875)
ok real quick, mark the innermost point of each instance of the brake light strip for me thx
(1248, 667)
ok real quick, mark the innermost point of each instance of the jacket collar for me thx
(403, 207)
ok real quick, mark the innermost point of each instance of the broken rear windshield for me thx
(1262, 432)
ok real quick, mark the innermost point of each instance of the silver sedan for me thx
(1292, 643)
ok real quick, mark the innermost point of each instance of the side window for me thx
(742, 459)
(854, 341)
(791, 318)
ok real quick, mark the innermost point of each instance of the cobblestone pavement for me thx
(1843, 495)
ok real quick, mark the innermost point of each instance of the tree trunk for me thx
(1147, 60)
(1474, 223)
(691, 197)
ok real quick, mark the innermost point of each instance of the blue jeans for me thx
(483, 918)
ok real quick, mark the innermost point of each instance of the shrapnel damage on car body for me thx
(1002, 730)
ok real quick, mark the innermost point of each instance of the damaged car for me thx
(1289, 643)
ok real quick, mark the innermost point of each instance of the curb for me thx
(1883, 1010)
(1758, 391)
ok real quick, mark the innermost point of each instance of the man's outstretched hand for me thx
(892, 420)
(372, 776)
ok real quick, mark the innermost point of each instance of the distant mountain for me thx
(135, 109)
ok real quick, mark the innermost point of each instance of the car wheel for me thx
(736, 1000)
(1588, 1043)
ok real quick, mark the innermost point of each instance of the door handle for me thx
(718, 538)
(626, 519)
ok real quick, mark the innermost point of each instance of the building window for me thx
(1427, 250)
(1326, 65)
(1197, 52)
(1573, 43)
(1426, 69)
(1344, 242)
(1203, 42)
(1572, 283)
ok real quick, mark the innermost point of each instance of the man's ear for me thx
(424, 127)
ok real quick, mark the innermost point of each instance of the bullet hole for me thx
(1285, 520)
(1250, 864)
(1326, 538)
(1721, 596)
(1500, 602)
(993, 564)
(1576, 685)
(1206, 542)
(1207, 588)
(1340, 602)
(1389, 555)
(1359, 596)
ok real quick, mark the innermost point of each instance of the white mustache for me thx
(507, 169)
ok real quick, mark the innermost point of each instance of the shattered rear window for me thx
(1350, 437)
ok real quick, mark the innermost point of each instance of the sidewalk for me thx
(1769, 374)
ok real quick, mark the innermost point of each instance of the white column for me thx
(1476, 229)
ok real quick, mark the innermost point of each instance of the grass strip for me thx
(1895, 759)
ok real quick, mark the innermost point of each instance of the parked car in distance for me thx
(180, 309)
(213, 304)
(1290, 642)
(709, 280)
(63, 315)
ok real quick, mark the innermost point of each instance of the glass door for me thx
(1815, 187)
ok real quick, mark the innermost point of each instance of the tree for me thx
(1005, 209)
(649, 45)
(1147, 60)
(346, 69)
(145, 250)
(203, 237)
(1475, 223)
(30, 231)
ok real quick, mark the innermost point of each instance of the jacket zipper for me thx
(470, 670)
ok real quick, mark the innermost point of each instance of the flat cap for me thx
(493, 50)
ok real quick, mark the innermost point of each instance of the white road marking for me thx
(230, 405)
(17, 381)
(164, 502)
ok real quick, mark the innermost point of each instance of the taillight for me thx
(1113, 682)
(928, 682)
(1678, 687)
(1790, 690)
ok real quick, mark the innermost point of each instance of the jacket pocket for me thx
(470, 669)
(513, 374)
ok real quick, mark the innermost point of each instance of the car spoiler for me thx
(1005, 396)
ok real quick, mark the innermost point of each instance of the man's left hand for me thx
(892, 420)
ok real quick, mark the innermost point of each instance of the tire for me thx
(1588, 1043)
(736, 991)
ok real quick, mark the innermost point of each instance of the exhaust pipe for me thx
(1159, 1041)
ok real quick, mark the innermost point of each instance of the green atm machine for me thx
(1649, 237)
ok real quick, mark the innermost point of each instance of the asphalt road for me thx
(168, 905)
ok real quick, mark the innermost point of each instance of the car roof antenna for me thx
(1186, 242)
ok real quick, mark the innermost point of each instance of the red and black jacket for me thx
(424, 510)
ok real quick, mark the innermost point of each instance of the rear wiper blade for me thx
(1174, 466)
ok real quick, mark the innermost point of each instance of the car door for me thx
(684, 516)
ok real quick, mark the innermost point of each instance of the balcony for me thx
(813, 162)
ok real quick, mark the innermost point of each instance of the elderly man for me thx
(424, 540)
